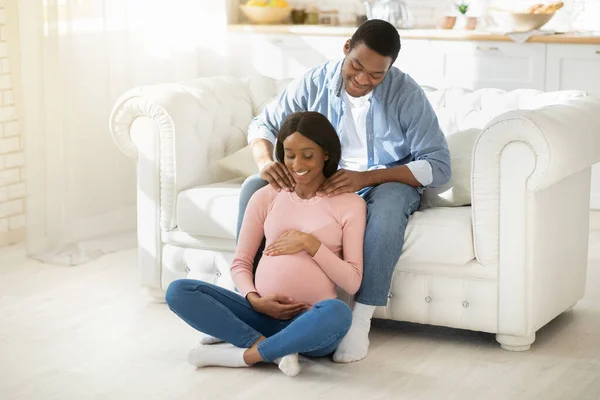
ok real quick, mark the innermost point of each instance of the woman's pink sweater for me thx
(337, 222)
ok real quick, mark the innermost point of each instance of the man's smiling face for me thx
(363, 69)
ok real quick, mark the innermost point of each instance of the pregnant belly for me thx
(297, 276)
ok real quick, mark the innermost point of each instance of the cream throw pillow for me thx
(240, 163)
(457, 192)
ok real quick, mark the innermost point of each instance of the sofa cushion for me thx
(441, 235)
(241, 163)
(210, 210)
(457, 192)
(436, 235)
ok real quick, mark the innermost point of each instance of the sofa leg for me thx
(515, 343)
(156, 295)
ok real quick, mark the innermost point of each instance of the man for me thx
(392, 147)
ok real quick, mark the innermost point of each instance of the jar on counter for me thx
(329, 17)
(298, 15)
(335, 18)
(312, 16)
(360, 10)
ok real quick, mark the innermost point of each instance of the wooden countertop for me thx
(437, 34)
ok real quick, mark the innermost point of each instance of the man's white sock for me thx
(289, 364)
(363, 311)
(355, 344)
(219, 355)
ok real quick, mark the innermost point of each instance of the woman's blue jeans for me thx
(228, 316)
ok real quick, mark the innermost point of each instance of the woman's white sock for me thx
(219, 355)
(227, 355)
(289, 364)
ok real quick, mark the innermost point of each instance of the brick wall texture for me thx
(12, 185)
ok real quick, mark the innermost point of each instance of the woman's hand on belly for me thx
(292, 242)
(276, 306)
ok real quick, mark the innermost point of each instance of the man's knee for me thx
(393, 198)
(394, 190)
(252, 184)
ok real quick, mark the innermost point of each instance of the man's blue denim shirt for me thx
(401, 124)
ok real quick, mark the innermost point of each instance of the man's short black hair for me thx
(378, 35)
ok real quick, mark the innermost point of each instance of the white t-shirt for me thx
(354, 140)
(354, 136)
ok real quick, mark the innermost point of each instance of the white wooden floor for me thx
(88, 332)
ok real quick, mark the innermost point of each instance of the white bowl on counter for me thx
(519, 22)
(266, 15)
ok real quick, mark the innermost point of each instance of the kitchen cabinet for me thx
(280, 56)
(417, 60)
(472, 65)
(477, 65)
(573, 67)
(576, 67)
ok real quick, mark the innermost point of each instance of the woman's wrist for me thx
(252, 297)
(311, 244)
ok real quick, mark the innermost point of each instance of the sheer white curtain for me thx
(76, 58)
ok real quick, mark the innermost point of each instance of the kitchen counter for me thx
(434, 34)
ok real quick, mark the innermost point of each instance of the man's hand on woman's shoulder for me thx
(278, 176)
(343, 181)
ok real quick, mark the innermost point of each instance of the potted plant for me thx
(465, 22)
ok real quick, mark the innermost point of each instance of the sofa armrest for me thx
(530, 188)
(192, 124)
(564, 139)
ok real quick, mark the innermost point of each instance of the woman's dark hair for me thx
(378, 35)
(316, 127)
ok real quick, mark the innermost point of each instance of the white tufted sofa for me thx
(508, 264)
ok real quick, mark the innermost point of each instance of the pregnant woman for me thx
(313, 244)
